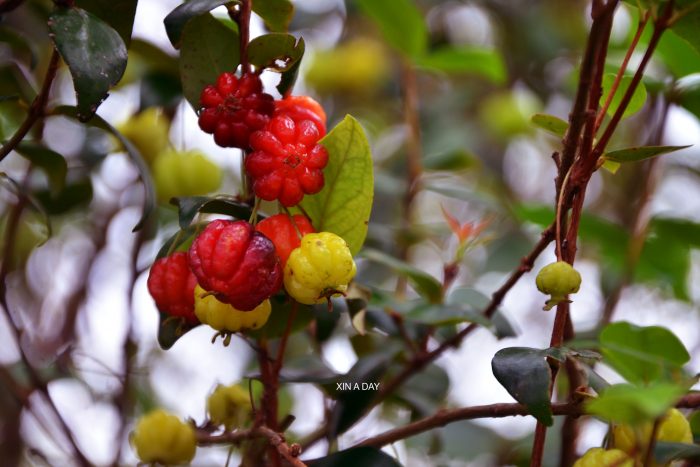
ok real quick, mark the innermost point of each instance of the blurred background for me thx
(79, 297)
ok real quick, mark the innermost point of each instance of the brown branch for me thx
(289, 453)
(37, 109)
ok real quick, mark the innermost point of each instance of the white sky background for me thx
(183, 376)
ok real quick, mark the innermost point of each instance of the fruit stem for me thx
(291, 218)
(254, 213)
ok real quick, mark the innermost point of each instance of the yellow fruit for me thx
(160, 437)
(558, 280)
(229, 406)
(359, 66)
(599, 457)
(321, 267)
(187, 173)
(148, 131)
(674, 428)
(225, 318)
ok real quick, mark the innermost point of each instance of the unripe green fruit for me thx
(148, 131)
(229, 406)
(558, 280)
(674, 428)
(160, 437)
(188, 173)
(599, 457)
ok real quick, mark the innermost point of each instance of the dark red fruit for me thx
(171, 284)
(286, 161)
(235, 262)
(280, 229)
(302, 108)
(234, 108)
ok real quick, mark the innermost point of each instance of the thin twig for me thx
(235, 437)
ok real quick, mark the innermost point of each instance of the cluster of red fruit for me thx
(233, 262)
(285, 160)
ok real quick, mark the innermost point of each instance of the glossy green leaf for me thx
(679, 56)
(400, 22)
(624, 403)
(208, 49)
(639, 97)
(190, 206)
(275, 51)
(177, 20)
(94, 52)
(640, 153)
(687, 22)
(354, 457)
(550, 123)
(446, 315)
(526, 375)
(117, 13)
(133, 153)
(344, 204)
(277, 14)
(486, 63)
(642, 354)
(52, 163)
(425, 284)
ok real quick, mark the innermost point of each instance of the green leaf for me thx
(678, 55)
(117, 13)
(177, 20)
(687, 24)
(275, 51)
(189, 207)
(426, 391)
(446, 315)
(640, 153)
(642, 354)
(133, 153)
(277, 14)
(686, 92)
(51, 162)
(425, 284)
(78, 193)
(21, 46)
(694, 420)
(624, 403)
(458, 159)
(526, 375)
(487, 63)
(550, 123)
(665, 452)
(353, 457)
(277, 324)
(179, 241)
(400, 22)
(94, 52)
(344, 204)
(208, 49)
(307, 369)
(611, 166)
(639, 97)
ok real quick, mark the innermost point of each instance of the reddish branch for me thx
(289, 453)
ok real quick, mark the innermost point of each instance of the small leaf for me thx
(665, 452)
(275, 52)
(189, 207)
(642, 354)
(550, 123)
(117, 13)
(686, 25)
(277, 14)
(486, 63)
(446, 315)
(640, 153)
(94, 52)
(400, 22)
(639, 97)
(624, 403)
(344, 204)
(51, 162)
(209, 48)
(353, 457)
(177, 20)
(424, 283)
(133, 153)
(526, 375)
(611, 166)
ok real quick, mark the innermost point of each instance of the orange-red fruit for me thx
(286, 161)
(171, 284)
(234, 108)
(236, 263)
(280, 229)
(302, 108)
